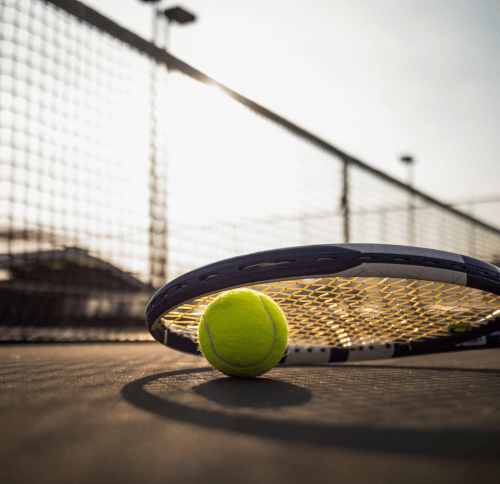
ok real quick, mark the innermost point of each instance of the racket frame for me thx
(329, 261)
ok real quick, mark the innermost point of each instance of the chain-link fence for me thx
(122, 167)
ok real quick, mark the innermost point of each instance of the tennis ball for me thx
(243, 333)
(461, 327)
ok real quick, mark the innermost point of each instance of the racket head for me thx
(345, 301)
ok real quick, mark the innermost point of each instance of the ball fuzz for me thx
(243, 333)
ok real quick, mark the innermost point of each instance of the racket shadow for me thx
(454, 444)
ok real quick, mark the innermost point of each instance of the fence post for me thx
(158, 249)
(344, 201)
(412, 233)
(472, 241)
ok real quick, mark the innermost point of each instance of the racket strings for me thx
(362, 310)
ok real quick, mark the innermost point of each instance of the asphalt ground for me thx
(140, 412)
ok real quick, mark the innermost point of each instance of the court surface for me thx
(140, 412)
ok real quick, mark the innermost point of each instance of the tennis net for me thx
(122, 167)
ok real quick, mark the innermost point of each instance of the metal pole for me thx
(154, 26)
(158, 229)
(158, 248)
(411, 234)
(166, 40)
(344, 203)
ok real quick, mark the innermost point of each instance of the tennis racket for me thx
(346, 302)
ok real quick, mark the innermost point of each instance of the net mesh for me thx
(122, 168)
(342, 312)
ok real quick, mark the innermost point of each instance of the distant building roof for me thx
(59, 259)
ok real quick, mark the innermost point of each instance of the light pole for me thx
(154, 25)
(409, 162)
(172, 15)
(175, 15)
(411, 234)
(158, 227)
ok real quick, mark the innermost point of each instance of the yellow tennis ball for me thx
(243, 333)
(460, 327)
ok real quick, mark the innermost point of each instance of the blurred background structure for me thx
(123, 167)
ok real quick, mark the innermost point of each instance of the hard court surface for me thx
(139, 412)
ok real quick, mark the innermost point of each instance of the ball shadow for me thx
(253, 392)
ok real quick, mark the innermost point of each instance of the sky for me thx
(377, 80)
